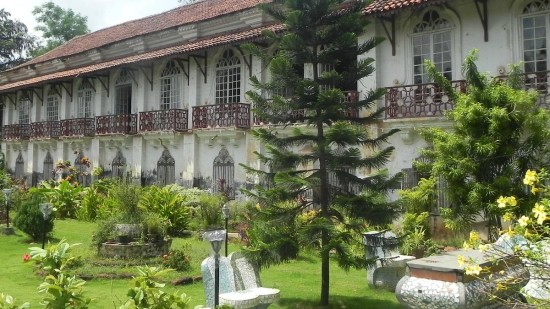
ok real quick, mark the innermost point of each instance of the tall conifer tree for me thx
(311, 193)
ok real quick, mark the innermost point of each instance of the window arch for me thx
(47, 170)
(123, 93)
(166, 169)
(535, 26)
(223, 176)
(85, 98)
(432, 39)
(52, 104)
(170, 86)
(228, 78)
(119, 166)
(19, 167)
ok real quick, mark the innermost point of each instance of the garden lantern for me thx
(225, 212)
(7, 200)
(46, 210)
(216, 237)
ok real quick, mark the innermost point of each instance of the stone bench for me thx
(239, 284)
(389, 266)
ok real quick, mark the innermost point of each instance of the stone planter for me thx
(133, 231)
(135, 250)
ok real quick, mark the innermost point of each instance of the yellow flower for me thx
(501, 202)
(541, 219)
(472, 270)
(512, 201)
(466, 245)
(484, 247)
(530, 178)
(508, 216)
(534, 190)
(461, 260)
(474, 236)
(539, 210)
(523, 221)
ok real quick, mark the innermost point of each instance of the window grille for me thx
(83, 177)
(123, 93)
(170, 86)
(432, 40)
(228, 78)
(119, 166)
(166, 169)
(48, 171)
(223, 176)
(24, 111)
(410, 178)
(52, 105)
(85, 98)
(19, 167)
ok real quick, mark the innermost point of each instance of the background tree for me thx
(57, 25)
(322, 157)
(15, 41)
(498, 133)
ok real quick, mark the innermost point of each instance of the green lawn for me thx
(299, 281)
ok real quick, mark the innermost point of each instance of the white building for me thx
(161, 99)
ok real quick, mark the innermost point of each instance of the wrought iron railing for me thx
(164, 120)
(16, 131)
(45, 129)
(116, 124)
(77, 127)
(421, 100)
(221, 116)
(540, 82)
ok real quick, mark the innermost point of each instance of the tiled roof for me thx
(386, 6)
(199, 11)
(198, 45)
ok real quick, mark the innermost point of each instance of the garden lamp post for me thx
(225, 212)
(7, 199)
(216, 237)
(46, 210)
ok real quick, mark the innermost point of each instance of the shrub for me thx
(105, 231)
(169, 205)
(178, 259)
(30, 220)
(207, 212)
(125, 199)
(64, 196)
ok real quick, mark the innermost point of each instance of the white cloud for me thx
(101, 13)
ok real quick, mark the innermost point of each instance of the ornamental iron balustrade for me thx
(539, 81)
(17, 131)
(45, 129)
(293, 116)
(221, 116)
(116, 124)
(420, 100)
(78, 127)
(164, 120)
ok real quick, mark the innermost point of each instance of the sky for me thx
(101, 13)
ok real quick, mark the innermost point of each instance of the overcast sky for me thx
(100, 13)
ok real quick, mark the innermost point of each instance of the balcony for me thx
(116, 124)
(421, 100)
(164, 120)
(77, 127)
(221, 116)
(17, 132)
(45, 130)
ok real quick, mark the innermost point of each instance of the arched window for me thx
(166, 169)
(123, 93)
(119, 166)
(223, 176)
(85, 98)
(52, 104)
(535, 23)
(19, 167)
(170, 86)
(432, 39)
(24, 111)
(47, 171)
(228, 78)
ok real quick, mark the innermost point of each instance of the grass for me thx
(299, 281)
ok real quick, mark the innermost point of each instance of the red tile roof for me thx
(378, 7)
(199, 11)
(194, 46)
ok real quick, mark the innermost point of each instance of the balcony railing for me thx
(421, 100)
(164, 120)
(45, 129)
(78, 127)
(221, 116)
(17, 131)
(540, 82)
(116, 124)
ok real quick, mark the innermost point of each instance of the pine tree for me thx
(311, 194)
